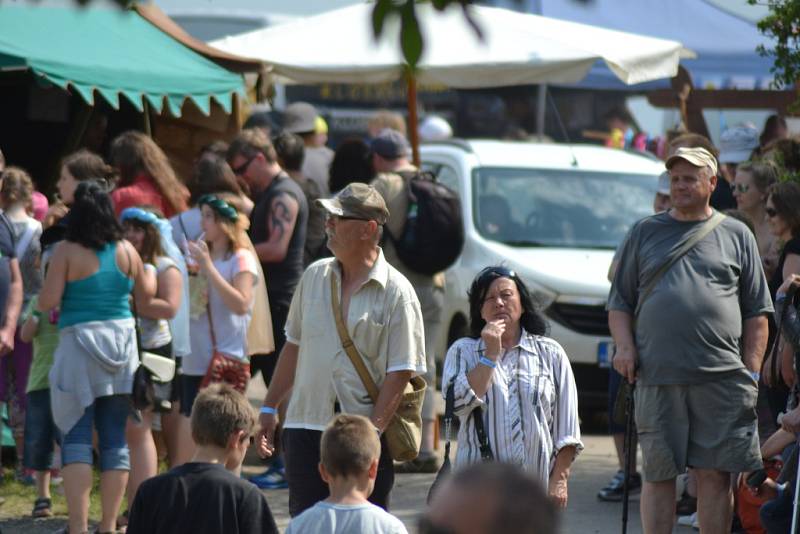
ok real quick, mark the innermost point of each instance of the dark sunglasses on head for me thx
(771, 212)
(495, 272)
(241, 169)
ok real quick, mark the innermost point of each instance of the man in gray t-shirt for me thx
(696, 346)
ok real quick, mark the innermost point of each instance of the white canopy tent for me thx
(517, 49)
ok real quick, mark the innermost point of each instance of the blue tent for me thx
(724, 42)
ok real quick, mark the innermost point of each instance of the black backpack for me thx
(433, 235)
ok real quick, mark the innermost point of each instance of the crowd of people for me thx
(281, 257)
(248, 266)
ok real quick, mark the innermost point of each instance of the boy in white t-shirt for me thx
(349, 453)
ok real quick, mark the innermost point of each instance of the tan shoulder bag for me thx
(404, 433)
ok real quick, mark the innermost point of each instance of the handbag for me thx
(152, 380)
(707, 227)
(483, 440)
(404, 431)
(224, 368)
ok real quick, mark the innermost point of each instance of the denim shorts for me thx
(40, 431)
(109, 415)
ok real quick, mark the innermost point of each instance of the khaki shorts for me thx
(709, 426)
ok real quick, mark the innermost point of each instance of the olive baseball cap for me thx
(357, 201)
(699, 157)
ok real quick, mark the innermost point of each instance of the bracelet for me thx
(487, 362)
(268, 410)
(37, 314)
(756, 375)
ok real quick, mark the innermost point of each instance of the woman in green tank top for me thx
(90, 278)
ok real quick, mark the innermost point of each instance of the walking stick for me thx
(627, 452)
(796, 491)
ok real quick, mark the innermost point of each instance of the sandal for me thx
(42, 507)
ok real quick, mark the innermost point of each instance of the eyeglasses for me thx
(741, 188)
(241, 169)
(771, 212)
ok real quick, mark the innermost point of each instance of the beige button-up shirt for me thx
(385, 322)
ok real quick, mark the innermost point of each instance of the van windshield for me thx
(559, 208)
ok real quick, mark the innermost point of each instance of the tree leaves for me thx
(412, 42)
(782, 25)
(410, 35)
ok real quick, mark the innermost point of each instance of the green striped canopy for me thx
(113, 52)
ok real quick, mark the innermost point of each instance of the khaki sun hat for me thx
(699, 157)
(357, 201)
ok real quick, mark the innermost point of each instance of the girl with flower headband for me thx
(220, 335)
(165, 271)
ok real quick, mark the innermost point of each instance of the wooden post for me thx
(413, 120)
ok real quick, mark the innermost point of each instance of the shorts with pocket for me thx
(711, 425)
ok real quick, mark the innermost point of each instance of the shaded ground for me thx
(584, 515)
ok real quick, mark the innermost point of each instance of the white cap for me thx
(434, 128)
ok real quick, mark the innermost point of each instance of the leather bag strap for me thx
(347, 343)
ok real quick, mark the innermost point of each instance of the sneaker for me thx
(425, 462)
(689, 521)
(614, 489)
(272, 478)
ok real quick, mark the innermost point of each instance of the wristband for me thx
(37, 314)
(487, 362)
(269, 410)
(756, 375)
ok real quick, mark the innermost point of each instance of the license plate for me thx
(605, 351)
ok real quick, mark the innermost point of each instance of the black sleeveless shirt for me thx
(282, 277)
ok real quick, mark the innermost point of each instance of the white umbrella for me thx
(518, 48)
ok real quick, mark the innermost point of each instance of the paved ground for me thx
(584, 515)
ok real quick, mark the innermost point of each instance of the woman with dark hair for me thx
(90, 278)
(774, 128)
(146, 177)
(352, 162)
(522, 379)
(783, 216)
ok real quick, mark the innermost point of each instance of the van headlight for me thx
(543, 297)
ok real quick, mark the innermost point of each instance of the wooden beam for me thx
(726, 99)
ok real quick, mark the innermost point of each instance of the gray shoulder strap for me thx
(685, 247)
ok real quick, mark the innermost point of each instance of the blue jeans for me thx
(109, 415)
(40, 431)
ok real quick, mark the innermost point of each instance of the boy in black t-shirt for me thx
(205, 495)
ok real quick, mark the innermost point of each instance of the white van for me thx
(554, 213)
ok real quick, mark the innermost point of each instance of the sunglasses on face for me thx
(241, 169)
(742, 188)
(771, 212)
(343, 218)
